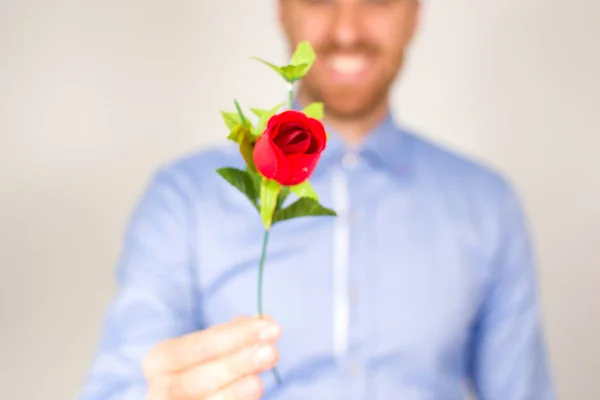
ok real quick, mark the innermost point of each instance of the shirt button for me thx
(354, 293)
(355, 369)
(350, 160)
(356, 217)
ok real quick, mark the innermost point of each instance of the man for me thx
(422, 287)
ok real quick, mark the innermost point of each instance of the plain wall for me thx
(96, 94)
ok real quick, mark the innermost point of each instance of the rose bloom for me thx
(290, 147)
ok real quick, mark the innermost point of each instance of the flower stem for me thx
(291, 96)
(263, 256)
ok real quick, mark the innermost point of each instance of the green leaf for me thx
(241, 135)
(247, 151)
(293, 73)
(314, 110)
(304, 54)
(256, 179)
(231, 119)
(300, 63)
(303, 207)
(285, 191)
(269, 191)
(273, 66)
(305, 189)
(264, 116)
(260, 112)
(238, 133)
(242, 181)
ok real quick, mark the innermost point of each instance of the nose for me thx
(346, 23)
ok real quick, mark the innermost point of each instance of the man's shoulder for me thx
(482, 196)
(206, 160)
(452, 168)
(195, 171)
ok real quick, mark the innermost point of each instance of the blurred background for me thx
(95, 95)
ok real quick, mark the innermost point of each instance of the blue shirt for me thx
(423, 285)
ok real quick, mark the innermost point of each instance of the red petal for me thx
(291, 115)
(272, 129)
(301, 166)
(278, 122)
(318, 137)
(269, 160)
(296, 142)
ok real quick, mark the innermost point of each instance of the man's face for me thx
(360, 46)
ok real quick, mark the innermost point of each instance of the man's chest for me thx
(385, 282)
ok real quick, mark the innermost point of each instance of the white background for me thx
(95, 95)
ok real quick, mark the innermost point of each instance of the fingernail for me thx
(247, 388)
(269, 332)
(264, 356)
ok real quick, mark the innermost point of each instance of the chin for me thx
(346, 101)
(346, 110)
(349, 105)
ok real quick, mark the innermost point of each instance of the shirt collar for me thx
(383, 147)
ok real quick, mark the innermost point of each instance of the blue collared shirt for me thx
(424, 284)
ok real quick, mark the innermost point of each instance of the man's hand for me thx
(220, 363)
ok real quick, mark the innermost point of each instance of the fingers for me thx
(227, 376)
(179, 354)
(247, 388)
(218, 363)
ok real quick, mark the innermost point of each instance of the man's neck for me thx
(353, 129)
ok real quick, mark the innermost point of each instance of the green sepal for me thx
(242, 135)
(235, 118)
(232, 119)
(314, 110)
(273, 66)
(303, 54)
(243, 120)
(238, 133)
(303, 207)
(247, 152)
(264, 116)
(304, 189)
(269, 192)
(241, 180)
(292, 73)
(300, 63)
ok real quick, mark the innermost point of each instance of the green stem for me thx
(240, 113)
(263, 257)
(291, 95)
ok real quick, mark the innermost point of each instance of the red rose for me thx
(290, 147)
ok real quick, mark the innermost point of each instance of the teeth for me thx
(348, 64)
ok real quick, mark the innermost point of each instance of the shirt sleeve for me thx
(509, 358)
(155, 297)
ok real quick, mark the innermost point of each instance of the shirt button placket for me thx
(354, 367)
(350, 160)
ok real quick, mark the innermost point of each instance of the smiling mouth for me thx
(348, 67)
